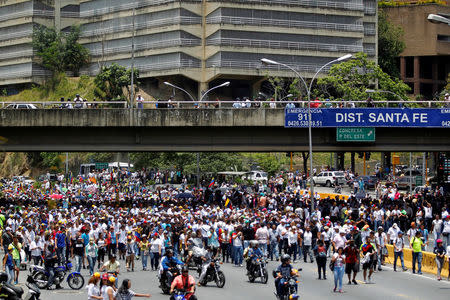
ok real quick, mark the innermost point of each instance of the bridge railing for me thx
(171, 104)
(65, 104)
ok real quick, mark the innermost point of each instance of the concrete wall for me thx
(420, 35)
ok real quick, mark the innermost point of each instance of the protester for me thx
(416, 246)
(125, 293)
(440, 251)
(338, 259)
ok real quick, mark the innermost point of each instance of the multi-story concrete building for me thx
(17, 18)
(199, 43)
(425, 62)
(195, 43)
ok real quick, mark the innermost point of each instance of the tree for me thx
(75, 55)
(349, 80)
(111, 81)
(58, 51)
(390, 44)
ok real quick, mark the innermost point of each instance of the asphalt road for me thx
(388, 285)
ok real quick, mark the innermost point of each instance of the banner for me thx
(368, 117)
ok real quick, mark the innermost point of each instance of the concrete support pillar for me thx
(202, 88)
(352, 162)
(385, 161)
(416, 75)
(434, 74)
(58, 15)
(402, 67)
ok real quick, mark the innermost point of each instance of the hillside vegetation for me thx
(54, 89)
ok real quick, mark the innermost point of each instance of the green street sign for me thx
(101, 166)
(419, 180)
(355, 134)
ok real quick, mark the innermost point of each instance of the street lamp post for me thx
(216, 87)
(132, 58)
(308, 89)
(177, 87)
(438, 19)
(388, 92)
(287, 96)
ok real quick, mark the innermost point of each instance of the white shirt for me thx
(307, 238)
(262, 235)
(92, 290)
(393, 233)
(428, 212)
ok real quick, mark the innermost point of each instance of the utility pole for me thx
(198, 170)
(132, 59)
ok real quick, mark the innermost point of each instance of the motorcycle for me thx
(164, 282)
(40, 275)
(179, 294)
(259, 270)
(9, 291)
(213, 273)
(33, 290)
(289, 288)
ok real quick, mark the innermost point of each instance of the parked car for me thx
(329, 178)
(403, 182)
(21, 106)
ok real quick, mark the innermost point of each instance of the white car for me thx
(21, 106)
(329, 178)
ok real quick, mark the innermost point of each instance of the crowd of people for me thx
(107, 217)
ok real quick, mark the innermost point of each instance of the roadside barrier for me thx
(428, 261)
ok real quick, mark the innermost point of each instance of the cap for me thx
(438, 241)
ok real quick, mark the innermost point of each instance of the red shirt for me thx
(180, 283)
(351, 255)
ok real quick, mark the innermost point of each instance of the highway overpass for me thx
(222, 129)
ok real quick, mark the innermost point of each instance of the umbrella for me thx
(184, 196)
(56, 196)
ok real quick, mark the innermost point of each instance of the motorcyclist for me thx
(253, 253)
(112, 266)
(206, 259)
(283, 272)
(169, 263)
(184, 282)
(49, 263)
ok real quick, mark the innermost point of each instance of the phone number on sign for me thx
(304, 123)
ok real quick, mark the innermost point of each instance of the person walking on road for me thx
(439, 250)
(368, 259)
(124, 292)
(399, 244)
(351, 261)
(416, 246)
(321, 259)
(338, 259)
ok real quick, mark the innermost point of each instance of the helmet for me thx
(438, 241)
(10, 247)
(97, 275)
(285, 258)
(184, 269)
(253, 243)
(294, 296)
(169, 251)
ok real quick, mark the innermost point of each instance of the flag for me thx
(227, 202)
(93, 180)
(211, 183)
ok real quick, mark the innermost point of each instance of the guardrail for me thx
(353, 5)
(148, 46)
(358, 26)
(283, 45)
(171, 104)
(68, 105)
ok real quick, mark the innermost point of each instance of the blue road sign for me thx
(368, 117)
